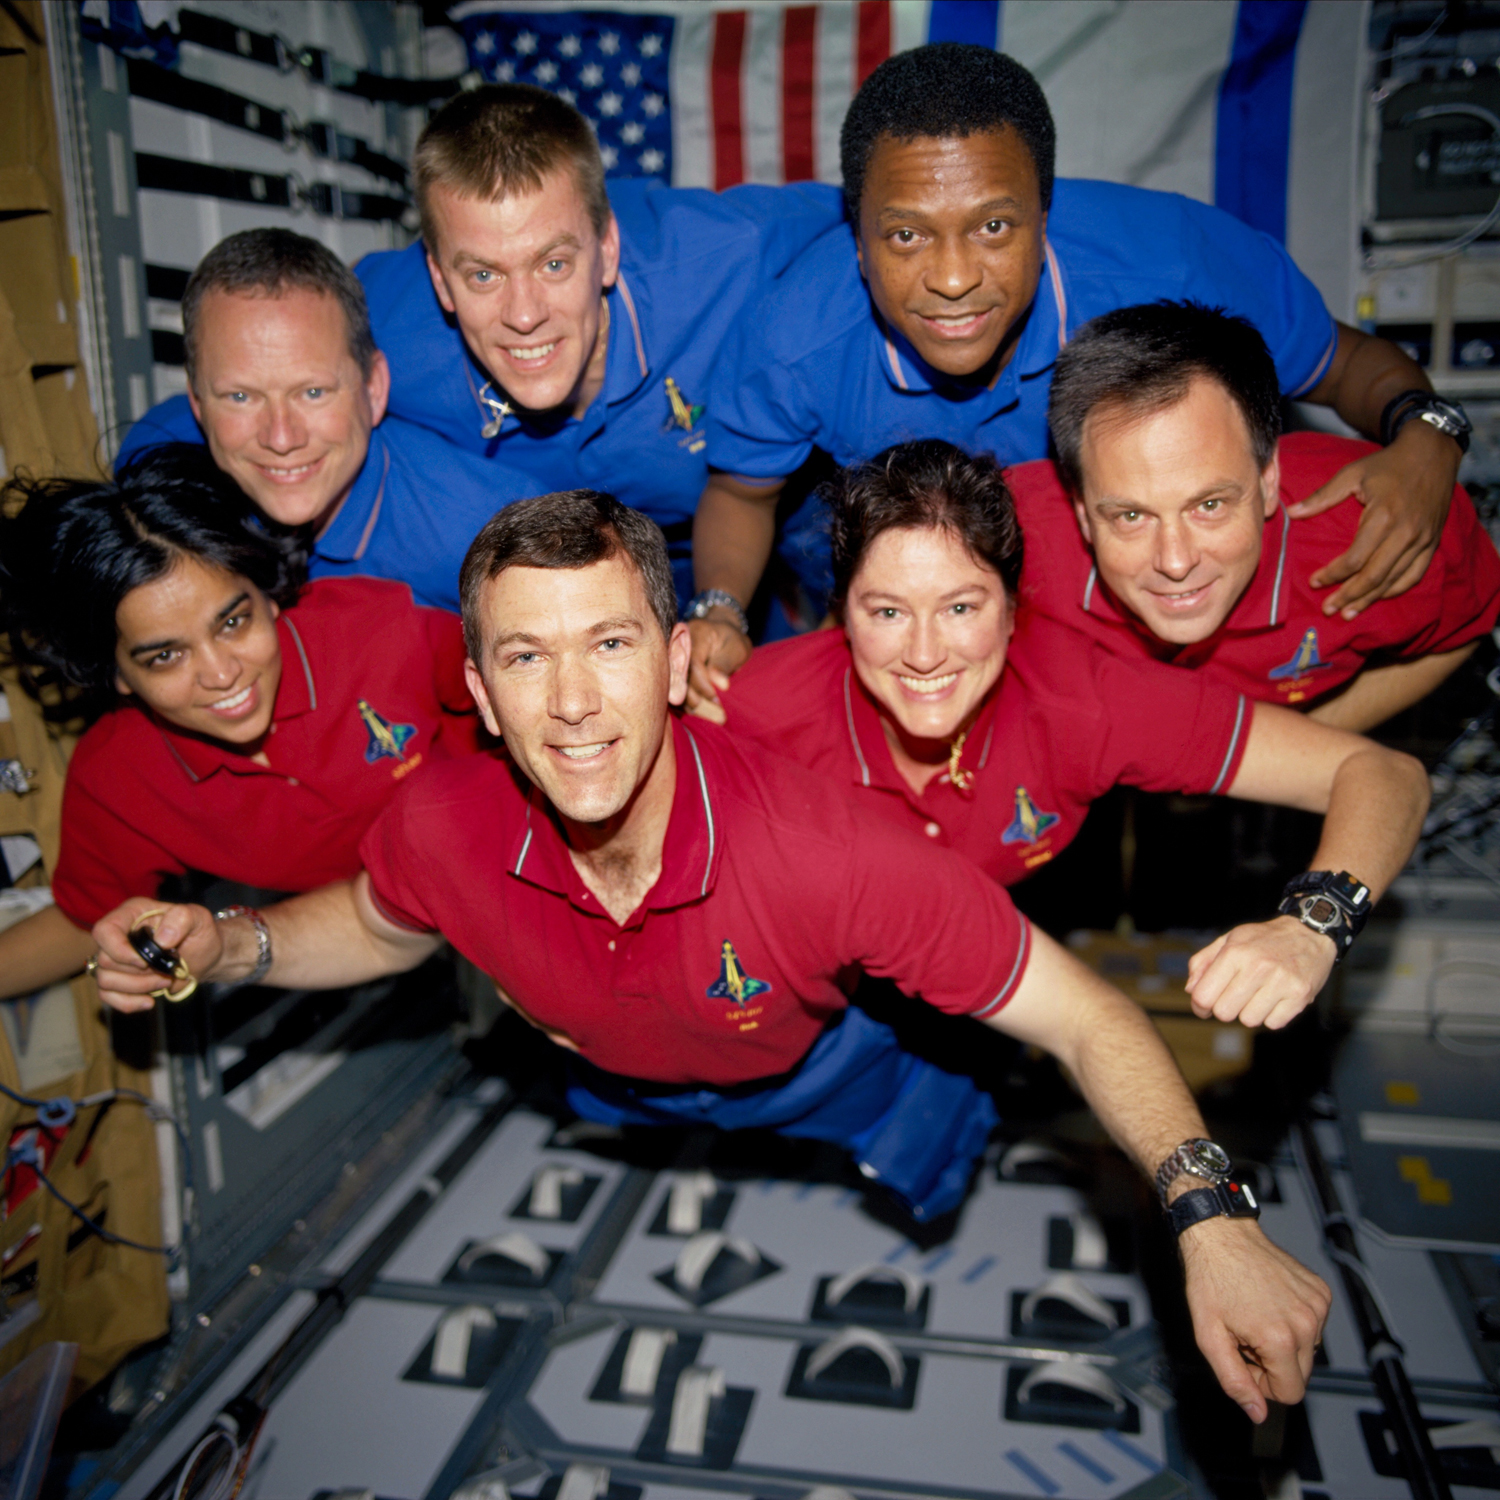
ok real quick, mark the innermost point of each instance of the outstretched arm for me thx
(1379, 692)
(40, 950)
(733, 531)
(1266, 973)
(1257, 1312)
(1405, 489)
(323, 940)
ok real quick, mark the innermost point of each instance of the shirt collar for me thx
(348, 535)
(691, 852)
(1041, 341)
(1263, 605)
(297, 694)
(873, 763)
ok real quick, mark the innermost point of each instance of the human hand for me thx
(719, 648)
(1260, 974)
(125, 982)
(1405, 490)
(1258, 1314)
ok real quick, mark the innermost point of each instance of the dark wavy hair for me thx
(72, 549)
(943, 91)
(926, 484)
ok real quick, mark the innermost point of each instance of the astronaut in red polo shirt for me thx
(680, 910)
(1183, 540)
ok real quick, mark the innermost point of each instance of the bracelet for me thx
(262, 940)
(700, 604)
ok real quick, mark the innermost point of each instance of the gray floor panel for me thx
(954, 1440)
(349, 1421)
(819, 1231)
(482, 1200)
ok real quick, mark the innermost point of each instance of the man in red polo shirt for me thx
(682, 911)
(1180, 541)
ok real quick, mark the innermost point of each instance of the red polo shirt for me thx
(772, 888)
(1066, 722)
(371, 690)
(1277, 644)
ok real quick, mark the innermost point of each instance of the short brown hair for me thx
(271, 261)
(504, 138)
(570, 529)
(930, 484)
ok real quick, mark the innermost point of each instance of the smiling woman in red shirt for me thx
(991, 731)
(246, 725)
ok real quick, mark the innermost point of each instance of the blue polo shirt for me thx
(690, 261)
(417, 504)
(812, 365)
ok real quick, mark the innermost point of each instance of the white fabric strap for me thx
(696, 1388)
(1090, 1248)
(643, 1356)
(841, 1286)
(858, 1338)
(1029, 1154)
(702, 1250)
(450, 1346)
(1078, 1377)
(547, 1190)
(583, 1482)
(691, 1192)
(514, 1246)
(1066, 1287)
(1478, 1432)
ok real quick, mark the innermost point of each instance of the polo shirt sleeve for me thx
(1167, 729)
(1458, 598)
(444, 634)
(1228, 264)
(930, 921)
(393, 860)
(102, 860)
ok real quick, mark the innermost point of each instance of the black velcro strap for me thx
(329, 142)
(166, 283)
(163, 86)
(239, 41)
(168, 174)
(336, 202)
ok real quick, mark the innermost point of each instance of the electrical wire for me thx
(1411, 43)
(28, 1155)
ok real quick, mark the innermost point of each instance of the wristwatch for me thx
(1337, 905)
(1195, 1158)
(1447, 416)
(700, 604)
(1228, 1200)
(262, 942)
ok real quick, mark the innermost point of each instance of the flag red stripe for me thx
(874, 43)
(725, 98)
(798, 85)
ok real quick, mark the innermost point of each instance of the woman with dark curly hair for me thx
(955, 711)
(244, 724)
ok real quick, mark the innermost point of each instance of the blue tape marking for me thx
(1084, 1462)
(1129, 1449)
(1044, 1482)
(1252, 148)
(898, 1252)
(939, 1258)
(806, 1190)
(965, 21)
(980, 1268)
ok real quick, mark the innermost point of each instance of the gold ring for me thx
(92, 966)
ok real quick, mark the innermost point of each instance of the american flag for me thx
(706, 97)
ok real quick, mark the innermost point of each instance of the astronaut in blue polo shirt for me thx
(288, 390)
(939, 311)
(563, 331)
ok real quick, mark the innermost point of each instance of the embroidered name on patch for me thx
(1029, 827)
(1293, 674)
(735, 984)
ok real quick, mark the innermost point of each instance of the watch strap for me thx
(1219, 1200)
(262, 940)
(1447, 416)
(700, 604)
(1189, 1160)
(1346, 905)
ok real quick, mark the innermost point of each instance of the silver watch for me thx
(700, 604)
(262, 942)
(1196, 1158)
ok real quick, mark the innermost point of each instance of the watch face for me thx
(1210, 1159)
(1320, 912)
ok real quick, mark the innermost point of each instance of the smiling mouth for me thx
(927, 686)
(1182, 599)
(583, 752)
(532, 355)
(955, 325)
(235, 703)
(288, 475)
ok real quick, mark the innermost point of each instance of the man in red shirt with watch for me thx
(684, 911)
(1168, 526)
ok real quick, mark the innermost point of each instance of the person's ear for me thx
(122, 687)
(1270, 485)
(679, 659)
(439, 285)
(378, 387)
(1085, 522)
(609, 249)
(481, 696)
